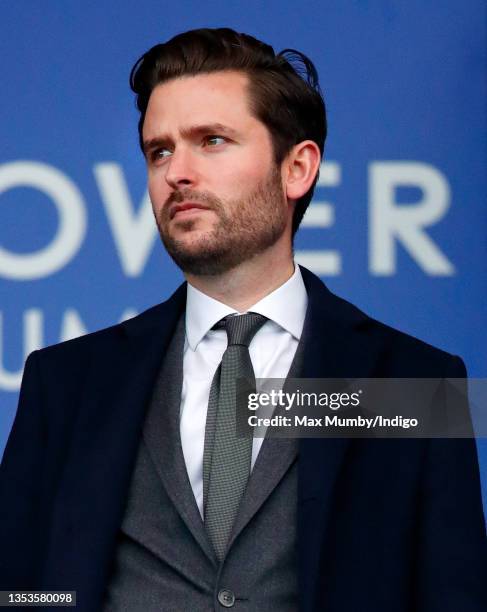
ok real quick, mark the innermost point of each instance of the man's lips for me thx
(184, 207)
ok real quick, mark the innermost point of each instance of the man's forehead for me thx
(218, 100)
(201, 92)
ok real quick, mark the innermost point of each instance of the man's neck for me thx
(246, 284)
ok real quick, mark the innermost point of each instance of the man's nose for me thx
(181, 168)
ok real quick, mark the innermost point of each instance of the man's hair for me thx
(284, 92)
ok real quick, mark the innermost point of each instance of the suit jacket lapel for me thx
(162, 436)
(275, 458)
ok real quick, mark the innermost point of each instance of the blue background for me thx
(403, 81)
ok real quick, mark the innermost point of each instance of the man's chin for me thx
(203, 265)
(201, 258)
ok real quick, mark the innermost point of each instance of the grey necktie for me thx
(226, 458)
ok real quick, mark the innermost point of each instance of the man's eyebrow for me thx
(208, 128)
(155, 143)
(192, 131)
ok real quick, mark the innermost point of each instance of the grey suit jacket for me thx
(164, 560)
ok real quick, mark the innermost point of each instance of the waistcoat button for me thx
(226, 598)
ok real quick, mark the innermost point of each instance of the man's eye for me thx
(161, 154)
(214, 140)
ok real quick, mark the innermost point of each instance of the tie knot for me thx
(242, 328)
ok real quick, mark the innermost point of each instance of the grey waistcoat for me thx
(164, 561)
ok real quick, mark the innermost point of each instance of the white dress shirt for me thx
(271, 351)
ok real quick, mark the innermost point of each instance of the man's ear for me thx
(301, 165)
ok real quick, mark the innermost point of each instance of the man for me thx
(123, 478)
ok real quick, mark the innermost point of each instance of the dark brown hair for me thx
(284, 92)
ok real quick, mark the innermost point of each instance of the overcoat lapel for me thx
(94, 487)
(334, 347)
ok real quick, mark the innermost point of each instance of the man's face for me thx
(217, 195)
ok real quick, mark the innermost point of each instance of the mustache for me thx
(176, 197)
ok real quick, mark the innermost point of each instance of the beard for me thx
(245, 227)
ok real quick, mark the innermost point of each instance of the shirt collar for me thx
(286, 306)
